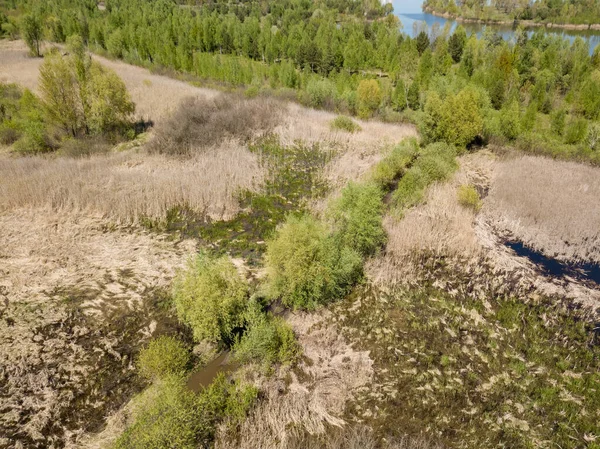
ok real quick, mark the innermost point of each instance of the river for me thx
(412, 17)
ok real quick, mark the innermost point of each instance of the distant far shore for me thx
(524, 23)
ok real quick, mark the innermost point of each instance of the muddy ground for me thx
(78, 299)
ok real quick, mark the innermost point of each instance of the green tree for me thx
(413, 96)
(80, 95)
(369, 97)
(423, 42)
(210, 296)
(510, 120)
(306, 267)
(32, 31)
(457, 42)
(399, 99)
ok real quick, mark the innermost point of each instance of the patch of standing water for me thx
(586, 272)
(205, 375)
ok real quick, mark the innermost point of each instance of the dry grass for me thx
(72, 303)
(356, 152)
(552, 206)
(155, 96)
(199, 123)
(125, 187)
(313, 404)
(441, 227)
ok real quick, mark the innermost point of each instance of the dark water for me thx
(586, 272)
(412, 17)
(205, 375)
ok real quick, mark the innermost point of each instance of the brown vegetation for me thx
(199, 123)
(549, 205)
(75, 303)
(126, 187)
(441, 227)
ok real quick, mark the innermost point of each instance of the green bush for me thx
(210, 296)
(268, 340)
(345, 124)
(510, 120)
(577, 131)
(321, 92)
(168, 415)
(469, 197)
(163, 356)
(369, 97)
(306, 267)
(357, 217)
(394, 165)
(436, 163)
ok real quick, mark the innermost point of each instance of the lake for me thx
(410, 14)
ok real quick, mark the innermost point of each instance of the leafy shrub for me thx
(357, 217)
(469, 197)
(577, 131)
(168, 415)
(268, 340)
(163, 356)
(457, 120)
(345, 124)
(558, 121)
(436, 163)
(369, 97)
(210, 297)
(306, 267)
(510, 120)
(393, 165)
(321, 92)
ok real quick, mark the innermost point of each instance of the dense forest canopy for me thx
(550, 11)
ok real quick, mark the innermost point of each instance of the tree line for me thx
(551, 11)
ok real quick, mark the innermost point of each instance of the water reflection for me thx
(410, 14)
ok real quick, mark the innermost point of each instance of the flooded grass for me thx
(294, 176)
(475, 368)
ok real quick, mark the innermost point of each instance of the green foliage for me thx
(320, 92)
(435, 163)
(210, 297)
(32, 32)
(577, 131)
(469, 197)
(357, 217)
(399, 96)
(305, 265)
(558, 121)
(395, 164)
(21, 121)
(162, 357)
(457, 120)
(169, 415)
(457, 42)
(81, 96)
(590, 97)
(369, 97)
(413, 96)
(267, 340)
(423, 42)
(345, 124)
(510, 120)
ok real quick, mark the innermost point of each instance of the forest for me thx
(573, 12)
(288, 224)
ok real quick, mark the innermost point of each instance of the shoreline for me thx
(524, 23)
